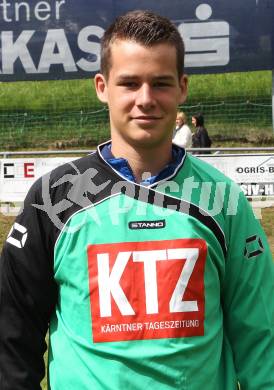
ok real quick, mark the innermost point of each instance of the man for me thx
(143, 288)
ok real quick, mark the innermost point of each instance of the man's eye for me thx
(161, 85)
(129, 84)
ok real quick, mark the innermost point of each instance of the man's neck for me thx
(146, 161)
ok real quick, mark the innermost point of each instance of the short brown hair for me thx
(146, 28)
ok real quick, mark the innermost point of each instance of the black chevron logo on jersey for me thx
(253, 247)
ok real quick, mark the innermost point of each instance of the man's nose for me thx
(145, 97)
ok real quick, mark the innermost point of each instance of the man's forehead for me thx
(131, 43)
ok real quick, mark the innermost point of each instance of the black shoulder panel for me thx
(90, 179)
(72, 187)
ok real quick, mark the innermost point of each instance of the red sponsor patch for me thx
(147, 290)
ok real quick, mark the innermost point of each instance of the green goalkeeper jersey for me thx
(168, 286)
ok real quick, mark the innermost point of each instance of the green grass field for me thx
(80, 94)
(67, 112)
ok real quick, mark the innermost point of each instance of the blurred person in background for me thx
(183, 135)
(200, 137)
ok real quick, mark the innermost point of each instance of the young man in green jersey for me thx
(147, 264)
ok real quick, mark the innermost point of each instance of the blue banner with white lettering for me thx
(42, 40)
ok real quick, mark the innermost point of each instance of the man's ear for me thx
(184, 88)
(101, 87)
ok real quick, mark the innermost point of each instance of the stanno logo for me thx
(160, 224)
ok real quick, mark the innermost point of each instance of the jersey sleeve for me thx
(249, 300)
(27, 297)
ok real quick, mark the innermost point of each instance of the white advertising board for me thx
(254, 173)
(17, 175)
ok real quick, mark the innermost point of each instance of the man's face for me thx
(143, 92)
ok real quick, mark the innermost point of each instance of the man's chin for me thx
(148, 140)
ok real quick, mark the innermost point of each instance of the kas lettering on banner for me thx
(42, 40)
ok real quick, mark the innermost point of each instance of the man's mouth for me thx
(146, 118)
